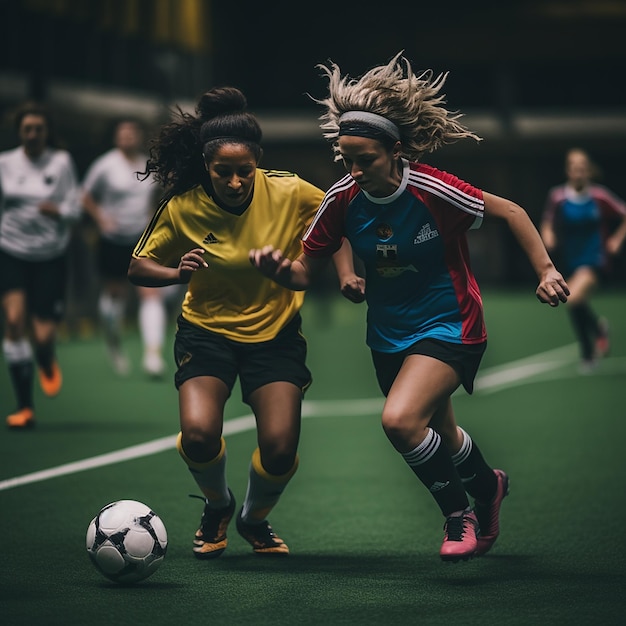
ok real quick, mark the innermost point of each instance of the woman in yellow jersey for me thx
(234, 322)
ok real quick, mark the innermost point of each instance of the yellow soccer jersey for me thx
(231, 297)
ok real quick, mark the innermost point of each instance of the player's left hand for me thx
(552, 288)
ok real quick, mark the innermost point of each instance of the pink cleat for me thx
(460, 540)
(488, 514)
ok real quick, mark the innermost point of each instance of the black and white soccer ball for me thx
(126, 541)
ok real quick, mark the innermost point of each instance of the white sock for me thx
(17, 351)
(112, 315)
(152, 321)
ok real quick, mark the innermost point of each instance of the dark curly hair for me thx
(178, 153)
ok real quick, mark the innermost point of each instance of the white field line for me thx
(545, 364)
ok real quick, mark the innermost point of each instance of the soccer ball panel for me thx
(109, 560)
(126, 541)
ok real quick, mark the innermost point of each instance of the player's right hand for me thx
(354, 289)
(190, 262)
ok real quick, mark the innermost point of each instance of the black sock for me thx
(477, 477)
(432, 464)
(585, 325)
(22, 378)
(44, 355)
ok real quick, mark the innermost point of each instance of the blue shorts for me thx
(200, 352)
(44, 282)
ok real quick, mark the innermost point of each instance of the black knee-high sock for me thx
(432, 464)
(477, 477)
(593, 320)
(585, 324)
(22, 378)
(44, 355)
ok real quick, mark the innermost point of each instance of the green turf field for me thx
(363, 532)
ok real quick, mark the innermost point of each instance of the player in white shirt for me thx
(39, 202)
(121, 203)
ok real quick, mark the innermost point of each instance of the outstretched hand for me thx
(552, 288)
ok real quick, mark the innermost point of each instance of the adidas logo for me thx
(438, 486)
(426, 234)
(210, 238)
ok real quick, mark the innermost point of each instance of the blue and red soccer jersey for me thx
(419, 282)
(583, 221)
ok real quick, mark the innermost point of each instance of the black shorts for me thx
(114, 258)
(464, 358)
(199, 352)
(44, 282)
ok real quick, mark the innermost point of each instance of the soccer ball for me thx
(126, 541)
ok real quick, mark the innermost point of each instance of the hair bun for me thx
(219, 101)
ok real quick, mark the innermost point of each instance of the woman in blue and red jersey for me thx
(407, 222)
(578, 218)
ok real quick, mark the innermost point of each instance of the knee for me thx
(400, 426)
(277, 458)
(199, 444)
(575, 300)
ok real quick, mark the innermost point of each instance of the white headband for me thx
(372, 119)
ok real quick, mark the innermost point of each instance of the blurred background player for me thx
(121, 204)
(234, 322)
(39, 204)
(587, 223)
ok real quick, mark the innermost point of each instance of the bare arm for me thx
(552, 287)
(616, 240)
(103, 221)
(352, 286)
(296, 275)
(548, 235)
(148, 273)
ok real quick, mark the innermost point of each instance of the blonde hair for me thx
(413, 102)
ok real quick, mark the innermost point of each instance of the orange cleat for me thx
(51, 385)
(24, 418)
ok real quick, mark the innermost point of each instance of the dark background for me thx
(533, 78)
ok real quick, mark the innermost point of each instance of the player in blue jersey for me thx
(588, 223)
(407, 222)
